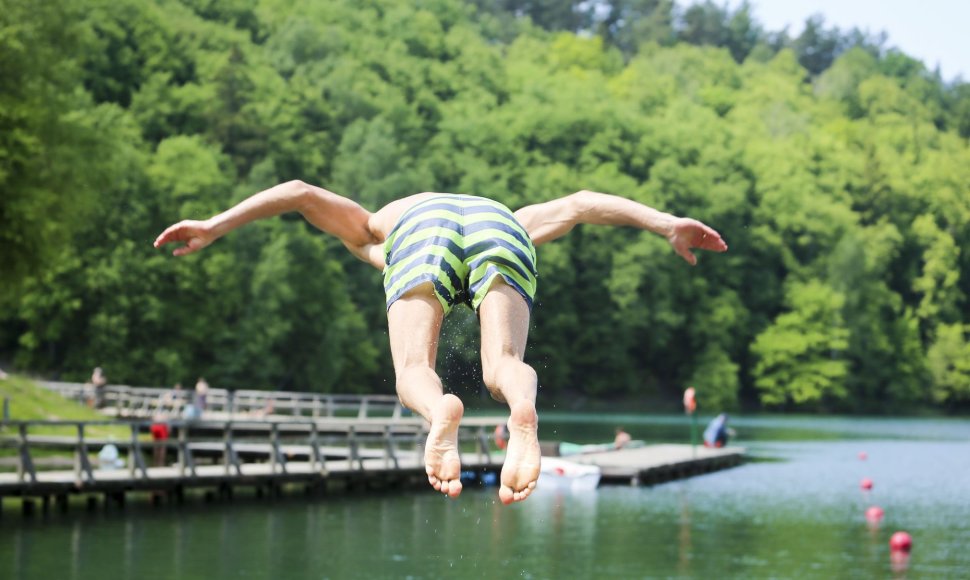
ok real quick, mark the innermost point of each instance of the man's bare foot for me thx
(521, 468)
(441, 459)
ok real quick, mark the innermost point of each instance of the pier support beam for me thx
(117, 498)
(225, 491)
(60, 502)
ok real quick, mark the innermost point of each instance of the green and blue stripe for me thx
(459, 243)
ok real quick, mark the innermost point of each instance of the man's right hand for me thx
(195, 234)
(686, 233)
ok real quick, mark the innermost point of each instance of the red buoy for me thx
(900, 542)
(866, 484)
(863, 456)
(874, 514)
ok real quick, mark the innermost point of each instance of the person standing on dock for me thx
(201, 394)
(437, 250)
(98, 381)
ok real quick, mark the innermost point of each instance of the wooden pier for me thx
(222, 455)
(653, 464)
(266, 440)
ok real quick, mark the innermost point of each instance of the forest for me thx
(836, 167)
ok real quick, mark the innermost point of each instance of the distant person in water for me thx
(437, 250)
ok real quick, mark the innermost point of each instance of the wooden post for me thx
(25, 467)
(278, 460)
(389, 455)
(185, 454)
(229, 456)
(362, 412)
(354, 451)
(82, 465)
(317, 461)
(136, 461)
(484, 452)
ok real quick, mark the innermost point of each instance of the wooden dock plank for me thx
(657, 463)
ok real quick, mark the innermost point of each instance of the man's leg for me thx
(504, 316)
(414, 323)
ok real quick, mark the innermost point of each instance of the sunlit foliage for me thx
(837, 170)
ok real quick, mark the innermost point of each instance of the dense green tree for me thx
(949, 360)
(51, 138)
(836, 169)
(801, 355)
(628, 24)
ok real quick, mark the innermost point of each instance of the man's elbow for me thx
(308, 199)
(299, 190)
(578, 204)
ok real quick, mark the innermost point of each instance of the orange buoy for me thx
(866, 484)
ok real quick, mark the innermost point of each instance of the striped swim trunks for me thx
(459, 243)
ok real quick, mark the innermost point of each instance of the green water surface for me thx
(795, 511)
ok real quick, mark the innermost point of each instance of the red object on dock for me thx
(900, 542)
(866, 484)
(159, 431)
(874, 513)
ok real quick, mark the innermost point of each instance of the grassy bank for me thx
(29, 402)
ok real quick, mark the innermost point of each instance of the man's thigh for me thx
(504, 316)
(414, 324)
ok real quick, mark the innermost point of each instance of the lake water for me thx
(795, 511)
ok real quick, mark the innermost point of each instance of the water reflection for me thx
(684, 546)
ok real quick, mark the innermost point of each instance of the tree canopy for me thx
(837, 169)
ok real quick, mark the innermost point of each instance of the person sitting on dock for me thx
(716, 434)
(437, 250)
(622, 438)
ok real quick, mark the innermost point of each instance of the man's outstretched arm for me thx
(551, 220)
(332, 213)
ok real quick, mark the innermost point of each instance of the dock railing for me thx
(147, 402)
(226, 449)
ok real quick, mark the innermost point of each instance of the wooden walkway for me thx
(269, 439)
(222, 455)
